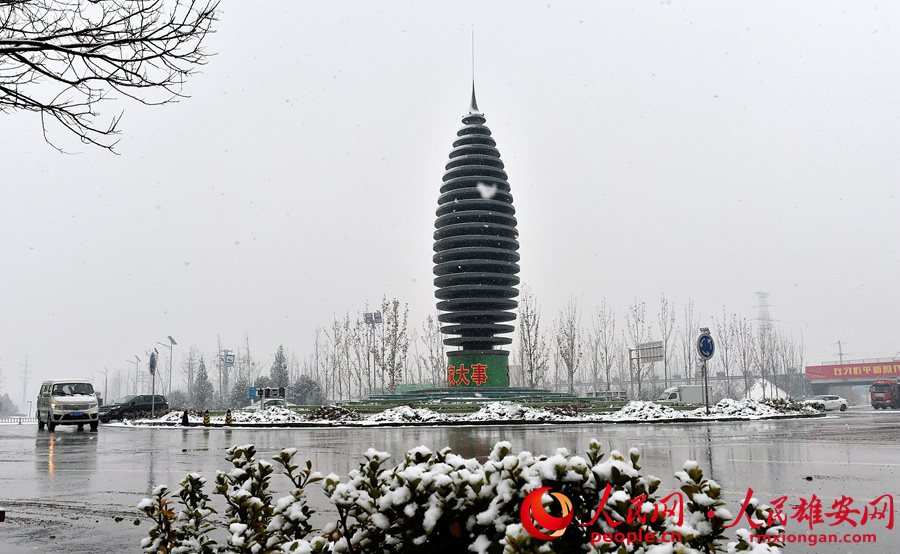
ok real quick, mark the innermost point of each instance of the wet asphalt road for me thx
(75, 492)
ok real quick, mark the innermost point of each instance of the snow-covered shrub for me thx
(193, 523)
(442, 502)
(334, 413)
(163, 536)
(248, 500)
(405, 414)
(785, 405)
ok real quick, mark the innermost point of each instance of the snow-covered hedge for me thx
(443, 502)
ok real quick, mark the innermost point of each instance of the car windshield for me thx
(71, 389)
(125, 399)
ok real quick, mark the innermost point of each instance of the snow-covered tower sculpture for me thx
(475, 258)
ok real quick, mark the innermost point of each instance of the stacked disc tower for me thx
(475, 260)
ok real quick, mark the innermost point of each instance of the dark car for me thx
(133, 405)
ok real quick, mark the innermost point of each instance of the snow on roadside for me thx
(500, 411)
(642, 411)
(638, 411)
(273, 414)
(406, 414)
(749, 409)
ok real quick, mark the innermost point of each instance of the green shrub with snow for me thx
(440, 501)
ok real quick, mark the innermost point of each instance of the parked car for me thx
(134, 405)
(67, 402)
(827, 402)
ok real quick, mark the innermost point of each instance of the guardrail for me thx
(17, 419)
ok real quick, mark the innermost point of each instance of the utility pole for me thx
(136, 364)
(105, 381)
(841, 352)
(25, 381)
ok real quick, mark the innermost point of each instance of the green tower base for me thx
(474, 369)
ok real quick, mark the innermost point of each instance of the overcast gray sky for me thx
(704, 150)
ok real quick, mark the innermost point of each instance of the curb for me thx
(490, 422)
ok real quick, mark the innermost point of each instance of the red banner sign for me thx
(874, 370)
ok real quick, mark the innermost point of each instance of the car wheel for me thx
(843, 407)
(51, 426)
(40, 423)
(820, 407)
(95, 425)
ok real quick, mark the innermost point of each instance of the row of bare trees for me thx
(580, 352)
(594, 351)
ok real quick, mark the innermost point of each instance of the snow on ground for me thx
(175, 417)
(765, 389)
(642, 411)
(639, 411)
(500, 411)
(274, 414)
(749, 409)
(405, 414)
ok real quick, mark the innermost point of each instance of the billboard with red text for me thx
(861, 371)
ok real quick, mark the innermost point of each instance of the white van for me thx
(67, 402)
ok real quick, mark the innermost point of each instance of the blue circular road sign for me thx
(706, 347)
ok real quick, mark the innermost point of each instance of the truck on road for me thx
(687, 394)
(885, 393)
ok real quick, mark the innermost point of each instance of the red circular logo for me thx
(533, 512)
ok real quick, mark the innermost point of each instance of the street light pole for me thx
(105, 380)
(136, 364)
(371, 319)
(169, 346)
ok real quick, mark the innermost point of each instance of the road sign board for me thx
(252, 391)
(650, 352)
(706, 347)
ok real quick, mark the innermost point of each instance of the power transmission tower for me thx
(24, 383)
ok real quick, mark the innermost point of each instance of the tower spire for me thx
(473, 105)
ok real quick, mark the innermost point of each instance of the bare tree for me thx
(189, 368)
(666, 320)
(569, 341)
(637, 333)
(602, 344)
(391, 357)
(359, 352)
(765, 357)
(687, 341)
(535, 355)
(725, 347)
(435, 358)
(745, 350)
(790, 364)
(63, 58)
(800, 355)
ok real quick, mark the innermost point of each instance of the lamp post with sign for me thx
(153, 356)
(706, 347)
(226, 361)
(372, 319)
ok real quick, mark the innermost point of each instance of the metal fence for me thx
(18, 419)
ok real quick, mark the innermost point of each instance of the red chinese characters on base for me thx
(457, 377)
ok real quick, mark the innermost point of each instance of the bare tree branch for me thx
(62, 59)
